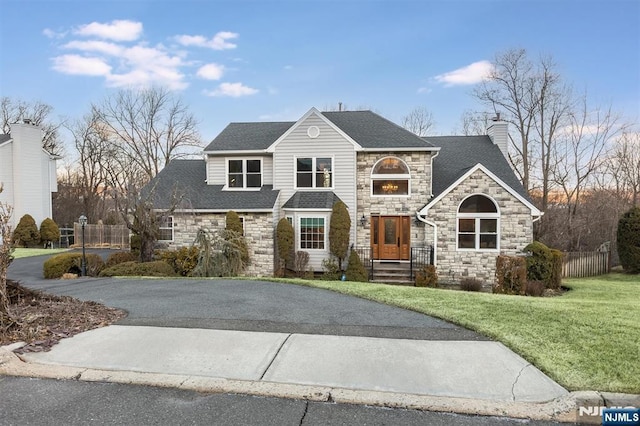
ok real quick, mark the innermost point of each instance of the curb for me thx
(563, 409)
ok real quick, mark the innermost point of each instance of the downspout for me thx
(435, 236)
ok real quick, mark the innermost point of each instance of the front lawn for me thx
(28, 252)
(587, 339)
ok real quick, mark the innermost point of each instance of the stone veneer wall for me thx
(516, 231)
(419, 164)
(258, 232)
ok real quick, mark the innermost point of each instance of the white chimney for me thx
(498, 131)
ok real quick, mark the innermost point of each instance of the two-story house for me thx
(455, 194)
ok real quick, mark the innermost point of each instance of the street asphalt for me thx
(238, 335)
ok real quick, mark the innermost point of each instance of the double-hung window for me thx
(314, 172)
(244, 173)
(478, 224)
(166, 229)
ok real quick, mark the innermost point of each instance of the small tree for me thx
(234, 223)
(6, 248)
(285, 237)
(26, 233)
(339, 231)
(355, 268)
(49, 232)
(629, 240)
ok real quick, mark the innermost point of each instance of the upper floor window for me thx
(314, 172)
(243, 173)
(478, 223)
(389, 177)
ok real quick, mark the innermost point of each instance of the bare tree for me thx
(579, 156)
(6, 248)
(473, 123)
(419, 121)
(148, 127)
(14, 111)
(624, 161)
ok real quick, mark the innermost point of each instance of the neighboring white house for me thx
(455, 195)
(27, 173)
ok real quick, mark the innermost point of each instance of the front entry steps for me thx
(392, 273)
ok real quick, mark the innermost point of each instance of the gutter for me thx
(435, 236)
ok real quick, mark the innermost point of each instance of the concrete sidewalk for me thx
(461, 369)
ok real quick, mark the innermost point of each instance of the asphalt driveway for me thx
(242, 305)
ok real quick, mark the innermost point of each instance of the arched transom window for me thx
(390, 177)
(478, 227)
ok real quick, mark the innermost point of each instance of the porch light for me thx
(363, 221)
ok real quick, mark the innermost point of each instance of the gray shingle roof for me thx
(458, 154)
(248, 136)
(187, 177)
(312, 200)
(373, 131)
(4, 138)
(367, 128)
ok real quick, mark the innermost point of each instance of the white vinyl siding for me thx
(328, 144)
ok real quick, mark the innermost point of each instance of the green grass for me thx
(586, 339)
(28, 252)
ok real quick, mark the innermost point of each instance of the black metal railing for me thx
(366, 257)
(420, 256)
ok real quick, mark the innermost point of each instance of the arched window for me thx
(478, 227)
(390, 177)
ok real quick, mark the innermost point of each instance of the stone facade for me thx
(419, 164)
(515, 227)
(258, 232)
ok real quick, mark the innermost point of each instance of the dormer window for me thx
(314, 172)
(244, 173)
(390, 177)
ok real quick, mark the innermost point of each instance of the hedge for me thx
(156, 268)
(71, 263)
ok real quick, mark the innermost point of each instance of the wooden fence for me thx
(102, 236)
(585, 264)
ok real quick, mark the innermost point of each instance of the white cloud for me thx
(211, 72)
(80, 65)
(471, 74)
(118, 30)
(95, 46)
(234, 90)
(424, 90)
(217, 42)
(49, 33)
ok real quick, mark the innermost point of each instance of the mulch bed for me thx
(42, 320)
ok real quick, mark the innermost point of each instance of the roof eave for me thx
(403, 149)
(236, 152)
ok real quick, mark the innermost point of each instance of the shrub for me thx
(135, 244)
(534, 288)
(233, 222)
(65, 263)
(557, 259)
(49, 231)
(355, 269)
(26, 233)
(235, 234)
(120, 257)
(339, 232)
(302, 262)
(511, 275)
(629, 241)
(539, 262)
(183, 260)
(285, 238)
(471, 284)
(157, 268)
(331, 270)
(427, 276)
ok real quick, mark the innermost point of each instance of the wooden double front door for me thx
(390, 237)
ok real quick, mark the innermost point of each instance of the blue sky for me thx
(273, 60)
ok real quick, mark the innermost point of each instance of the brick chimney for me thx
(498, 131)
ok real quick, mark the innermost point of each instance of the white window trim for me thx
(313, 173)
(298, 229)
(375, 177)
(244, 174)
(477, 233)
(166, 227)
